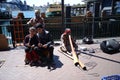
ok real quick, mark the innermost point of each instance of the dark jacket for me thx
(65, 39)
(45, 38)
(32, 41)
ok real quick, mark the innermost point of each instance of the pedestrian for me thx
(37, 19)
(89, 22)
(18, 27)
(30, 42)
(20, 15)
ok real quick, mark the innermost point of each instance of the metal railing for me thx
(80, 29)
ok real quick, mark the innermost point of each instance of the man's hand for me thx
(28, 45)
(33, 46)
(44, 46)
(40, 45)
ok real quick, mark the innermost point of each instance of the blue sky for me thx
(44, 2)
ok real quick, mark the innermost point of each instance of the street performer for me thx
(66, 43)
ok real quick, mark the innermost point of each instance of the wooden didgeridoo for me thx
(75, 58)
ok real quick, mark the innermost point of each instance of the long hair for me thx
(20, 15)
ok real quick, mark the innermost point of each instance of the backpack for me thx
(110, 46)
(88, 40)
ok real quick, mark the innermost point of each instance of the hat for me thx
(67, 30)
(32, 28)
(37, 11)
(39, 25)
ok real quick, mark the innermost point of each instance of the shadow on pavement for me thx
(58, 63)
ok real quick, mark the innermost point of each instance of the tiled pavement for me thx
(99, 65)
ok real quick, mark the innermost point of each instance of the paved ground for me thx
(98, 64)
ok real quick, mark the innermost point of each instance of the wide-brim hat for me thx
(67, 30)
(39, 25)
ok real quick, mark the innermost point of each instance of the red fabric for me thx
(33, 56)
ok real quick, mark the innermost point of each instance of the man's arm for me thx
(50, 40)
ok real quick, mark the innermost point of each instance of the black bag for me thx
(88, 40)
(110, 46)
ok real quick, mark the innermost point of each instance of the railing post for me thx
(63, 18)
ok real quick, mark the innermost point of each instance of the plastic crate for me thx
(112, 77)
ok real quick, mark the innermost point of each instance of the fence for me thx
(97, 28)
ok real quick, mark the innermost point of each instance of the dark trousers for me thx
(45, 53)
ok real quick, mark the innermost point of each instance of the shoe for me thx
(53, 64)
(26, 62)
(39, 62)
(48, 67)
(77, 52)
(32, 64)
(69, 53)
(63, 49)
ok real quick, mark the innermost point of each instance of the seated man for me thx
(65, 41)
(45, 45)
(31, 40)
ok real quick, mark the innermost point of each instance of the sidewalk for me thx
(98, 66)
